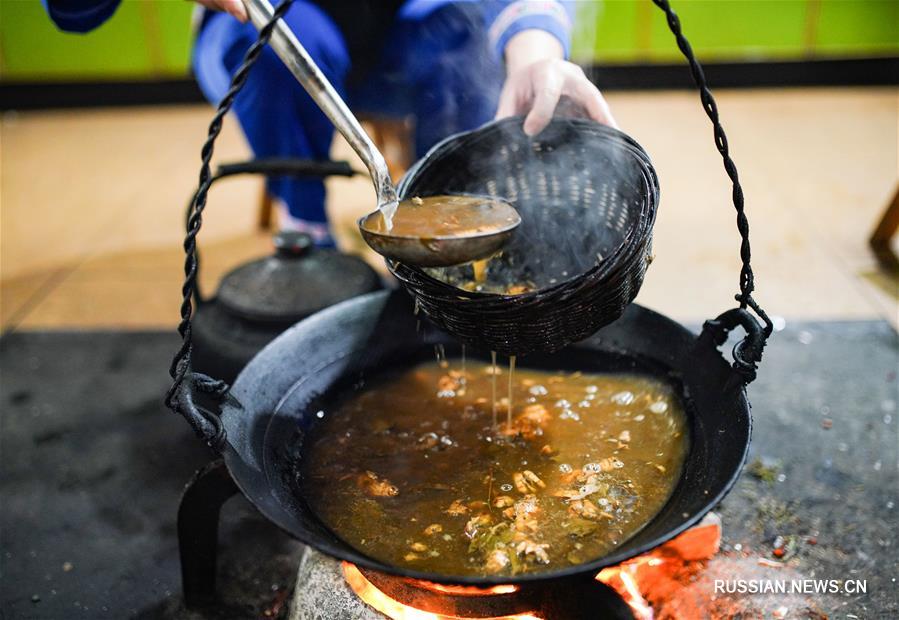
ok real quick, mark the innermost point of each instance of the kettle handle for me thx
(196, 396)
(287, 166)
(270, 166)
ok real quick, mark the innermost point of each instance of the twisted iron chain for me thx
(747, 278)
(181, 362)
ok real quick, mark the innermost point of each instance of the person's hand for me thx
(232, 7)
(538, 78)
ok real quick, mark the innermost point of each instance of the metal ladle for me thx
(425, 250)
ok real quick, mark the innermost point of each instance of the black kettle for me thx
(258, 300)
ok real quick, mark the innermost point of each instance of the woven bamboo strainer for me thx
(587, 195)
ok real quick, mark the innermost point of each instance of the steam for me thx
(583, 35)
(580, 191)
(468, 57)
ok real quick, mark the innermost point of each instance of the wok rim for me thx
(347, 553)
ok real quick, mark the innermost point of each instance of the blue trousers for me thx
(438, 67)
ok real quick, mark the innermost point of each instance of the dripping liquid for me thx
(479, 269)
(464, 375)
(509, 407)
(493, 371)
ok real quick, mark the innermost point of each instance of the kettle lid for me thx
(296, 281)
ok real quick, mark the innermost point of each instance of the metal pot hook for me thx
(747, 353)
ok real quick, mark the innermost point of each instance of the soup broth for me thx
(425, 470)
(436, 217)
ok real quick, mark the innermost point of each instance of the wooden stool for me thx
(392, 136)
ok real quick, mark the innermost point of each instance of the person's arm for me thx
(534, 38)
(85, 15)
(233, 7)
(80, 15)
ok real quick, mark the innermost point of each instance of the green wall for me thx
(151, 38)
(629, 31)
(144, 39)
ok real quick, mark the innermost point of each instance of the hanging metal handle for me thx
(748, 353)
(304, 69)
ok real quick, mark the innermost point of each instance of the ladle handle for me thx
(304, 69)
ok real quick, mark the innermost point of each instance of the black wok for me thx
(272, 406)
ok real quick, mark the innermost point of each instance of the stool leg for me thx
(883, 234)
(264, 220)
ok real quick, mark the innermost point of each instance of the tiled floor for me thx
(92, 206)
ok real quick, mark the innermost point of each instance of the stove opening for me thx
(396, 610)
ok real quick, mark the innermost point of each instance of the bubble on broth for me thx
(623, 398)
(659, 406)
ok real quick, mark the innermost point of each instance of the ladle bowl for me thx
(444, 250)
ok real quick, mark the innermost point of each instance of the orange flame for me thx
(395, 610)
(622, 579)
(470, 590)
